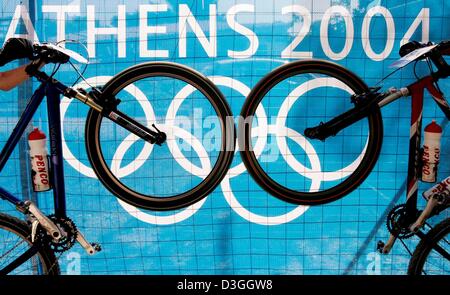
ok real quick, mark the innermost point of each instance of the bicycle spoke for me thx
(20, 260)
(18, 255)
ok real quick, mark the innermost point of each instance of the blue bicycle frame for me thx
(52, 89)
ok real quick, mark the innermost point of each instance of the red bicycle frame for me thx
(416, 91)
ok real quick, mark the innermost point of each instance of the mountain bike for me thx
(115, 123)
(341, 133)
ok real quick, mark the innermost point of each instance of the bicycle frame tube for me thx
(412, 179)
(56, 157)
(52, 91)
(439, 98)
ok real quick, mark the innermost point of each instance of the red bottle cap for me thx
(433, 127)
(36, 134)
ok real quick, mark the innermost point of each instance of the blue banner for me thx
(239, 228)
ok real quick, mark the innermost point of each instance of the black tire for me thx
(271, 186)
(209, 183)
(422, 252)
(20, 229)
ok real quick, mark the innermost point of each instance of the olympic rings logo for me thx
(315, 173)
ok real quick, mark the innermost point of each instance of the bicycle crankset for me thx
(397, 222)
(67, 228)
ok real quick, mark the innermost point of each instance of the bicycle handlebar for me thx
(58, 54)
(18, 48)
(48, 54)
(443, 47)
(435, 55)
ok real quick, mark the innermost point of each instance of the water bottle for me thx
(39, 161)
(431, 151)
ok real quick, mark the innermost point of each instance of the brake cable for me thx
(80, 74)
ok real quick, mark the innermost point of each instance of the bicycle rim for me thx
(428, 257)
(304, 94)
(188, 166)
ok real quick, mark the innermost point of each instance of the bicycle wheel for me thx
(432, 254)
(15, 240)
(296, 96)
(190, 164)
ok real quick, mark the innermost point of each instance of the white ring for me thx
(271, 220)
(281, 121)
(174, 131)
(185, 213)
(221, 81)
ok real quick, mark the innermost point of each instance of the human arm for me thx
(12, 78)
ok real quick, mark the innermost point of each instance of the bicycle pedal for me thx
(97, 247)
(380, 246)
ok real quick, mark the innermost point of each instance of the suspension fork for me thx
(342, 121)
(110, 111)
(364, 105)
(106, 106)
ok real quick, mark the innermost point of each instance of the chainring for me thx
(69, 230)
(396, 222)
